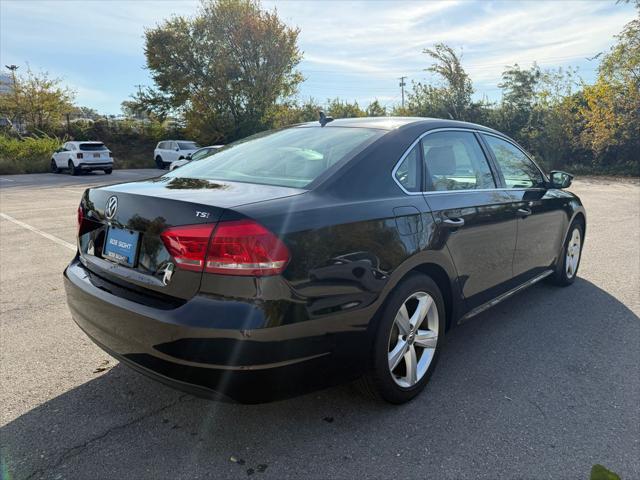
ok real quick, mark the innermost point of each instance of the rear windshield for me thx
(293, 157)
(188, 145)
(89, 147)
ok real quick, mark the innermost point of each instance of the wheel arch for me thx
(580, 216)
(437, 266)
(441, 278)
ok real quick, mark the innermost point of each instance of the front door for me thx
(541, 217)
(476, 221)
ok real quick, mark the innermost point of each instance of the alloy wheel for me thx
(413, 339)
(573, 253)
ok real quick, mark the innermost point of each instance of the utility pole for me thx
(402, 85)
(16, 117)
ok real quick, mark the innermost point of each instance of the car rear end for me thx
(176, 279)
(94, 156)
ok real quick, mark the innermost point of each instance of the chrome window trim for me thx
(466, 190)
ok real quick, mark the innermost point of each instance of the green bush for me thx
(26, 155)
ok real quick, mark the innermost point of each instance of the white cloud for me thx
(351, 49)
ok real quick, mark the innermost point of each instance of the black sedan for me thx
(316, 254)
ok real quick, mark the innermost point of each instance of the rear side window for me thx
(408, 172)
(92, 147)
(455, 161)
(292, 157)
(518, 170)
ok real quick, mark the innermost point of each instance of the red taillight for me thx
(79, 155)
(188, 245)
(80, 219)
(245, 247)
(241, 247)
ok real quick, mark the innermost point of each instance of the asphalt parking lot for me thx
(543, 386)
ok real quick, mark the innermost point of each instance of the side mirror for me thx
(177, 149)
(560, 179)
(189, 157)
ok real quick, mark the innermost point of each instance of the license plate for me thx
(121, 246)
(96, 155)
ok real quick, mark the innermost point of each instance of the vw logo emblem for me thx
(111, 207)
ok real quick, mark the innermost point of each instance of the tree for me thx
(37, 101)
(343, 109)
(376, 110)
(612, 104)
(450, 100)
(292, 112)
(223, 70)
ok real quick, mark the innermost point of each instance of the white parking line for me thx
(46, 235)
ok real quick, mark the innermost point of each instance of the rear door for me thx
(475, 219)
(541, 217)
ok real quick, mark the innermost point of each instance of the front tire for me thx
(407, 341)
(569, 261)
(107, 171)
(73, 170)
(159, 162)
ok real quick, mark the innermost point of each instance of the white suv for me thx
(82, 156)
(172, 150)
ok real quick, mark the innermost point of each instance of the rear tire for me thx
(107, 171)
(159, 162)
(569, 261)
(409, 335)
(54, 167)
(73, 170)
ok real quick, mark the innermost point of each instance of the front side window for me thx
(408, 173)
(455, 161)
(518, 170)
(292, 157)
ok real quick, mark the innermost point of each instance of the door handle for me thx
(453, 222)
(524, 212)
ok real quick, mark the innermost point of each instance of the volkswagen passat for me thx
(320, 253)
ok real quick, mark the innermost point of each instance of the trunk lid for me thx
(142, 212)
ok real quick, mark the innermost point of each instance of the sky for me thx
(352, 50)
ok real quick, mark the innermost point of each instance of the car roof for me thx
(393, 123)
(87, 141)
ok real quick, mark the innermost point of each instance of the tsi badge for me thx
(168, 273)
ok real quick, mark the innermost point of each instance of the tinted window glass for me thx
(293, 157)
(89, 147)
(162, 145)
(203, 153)
(455, 161)
(518, 170)
(408, 173)
(188, 145)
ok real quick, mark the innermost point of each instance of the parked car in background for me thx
(77, 157)
(169, 151)
(204, 152)
(319, 253)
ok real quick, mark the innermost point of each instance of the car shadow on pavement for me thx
(541, 372)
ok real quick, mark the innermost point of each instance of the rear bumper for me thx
(95, 166)
(181, 346)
